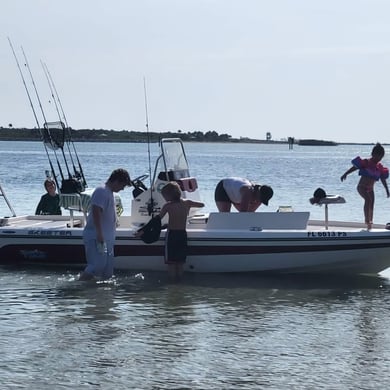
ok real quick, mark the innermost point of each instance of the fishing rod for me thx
(58, 113)
(46, 123)
(78, 173)
(33, 83)
(33, 110)
(150, 206)
(51, 91)
(45, 70)
(57, 96)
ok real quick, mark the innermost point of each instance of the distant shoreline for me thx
(87, 135)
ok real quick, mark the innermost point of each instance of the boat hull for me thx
(214, 252)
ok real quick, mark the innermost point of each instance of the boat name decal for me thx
(49, 233)
(326, 234)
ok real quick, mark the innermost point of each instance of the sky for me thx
(299, 68)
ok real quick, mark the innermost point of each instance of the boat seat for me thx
(330, 199)
(188, 184)
(173, 175)
(82, 202)
(75, 202)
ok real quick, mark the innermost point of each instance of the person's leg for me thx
(96, 261)
(88, 273)
(108, 270)
(176, 253)
(172, 271)
(221, 198)
(368, 207)
(85, 276)
(179, 271)
(224, 207)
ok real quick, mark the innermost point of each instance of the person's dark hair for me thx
(48, 182)
(120, 175)
(378, 149)
(263, 193)
(318, 195)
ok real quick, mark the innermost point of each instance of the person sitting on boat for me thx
(242, 194)
(50, 202)
(370, 170)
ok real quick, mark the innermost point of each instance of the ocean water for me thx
(140, 331)
(293, 174)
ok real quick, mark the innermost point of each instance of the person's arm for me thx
(350, 170)
(384, 182)
(97, 220)
(254, 205)
(193, 203)
(39, 208)
(246, 198)
(163, 211)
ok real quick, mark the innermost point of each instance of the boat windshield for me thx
(174, 155)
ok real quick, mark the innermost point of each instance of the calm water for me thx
(230, 332)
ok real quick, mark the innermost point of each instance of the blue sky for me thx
(302, 68)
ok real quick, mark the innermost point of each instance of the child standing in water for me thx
(370, 170)
(177, 209)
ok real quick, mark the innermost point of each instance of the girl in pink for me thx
(370, 171)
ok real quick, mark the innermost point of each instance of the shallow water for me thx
(242, 332)
(140, 331)
(293, 174)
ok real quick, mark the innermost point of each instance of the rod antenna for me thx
(147, 131)
(150, 207)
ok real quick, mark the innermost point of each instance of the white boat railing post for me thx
(2, 193)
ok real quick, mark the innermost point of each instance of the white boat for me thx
(265, 242)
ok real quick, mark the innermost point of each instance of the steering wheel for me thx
(141, 178)
(138, 182)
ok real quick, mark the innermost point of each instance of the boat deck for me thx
(64, 222)
(39, 222)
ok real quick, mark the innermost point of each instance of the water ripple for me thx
(236, 332)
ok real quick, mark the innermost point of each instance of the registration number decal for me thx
(327, 234)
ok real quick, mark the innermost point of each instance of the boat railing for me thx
(2, 194)
(75, 202)
(81, 202)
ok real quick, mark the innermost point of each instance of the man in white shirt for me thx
(99, 232)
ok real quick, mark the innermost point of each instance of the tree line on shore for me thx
(101, 135)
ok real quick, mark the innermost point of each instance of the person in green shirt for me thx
(50, 202)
